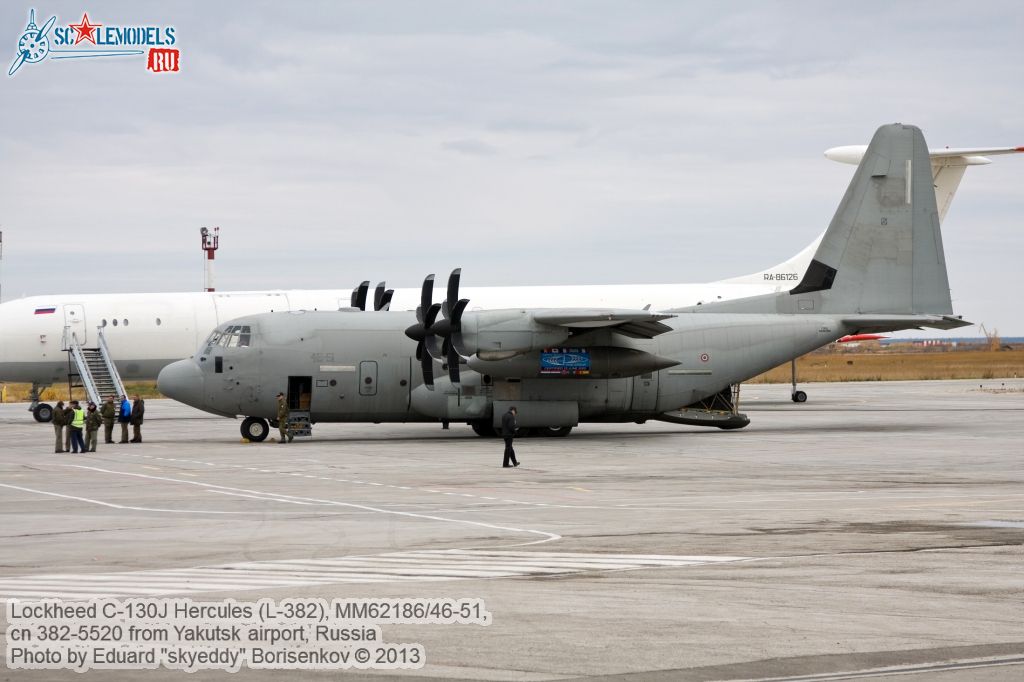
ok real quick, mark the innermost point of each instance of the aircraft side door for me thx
(74, 320)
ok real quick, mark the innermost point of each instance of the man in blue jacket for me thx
(124, 417)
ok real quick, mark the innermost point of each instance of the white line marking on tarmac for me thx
(417, 566)
(545, 535)
(112, 505)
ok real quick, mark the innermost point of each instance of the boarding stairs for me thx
(93, 368)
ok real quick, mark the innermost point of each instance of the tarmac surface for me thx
(875, 530)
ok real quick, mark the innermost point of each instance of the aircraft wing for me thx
(873, 324)
(638, 324)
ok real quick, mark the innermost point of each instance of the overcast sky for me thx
(534, 143)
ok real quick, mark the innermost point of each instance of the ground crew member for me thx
(123, 417)
(77, 424)
(59, 422)
(282, 419)
(69, 414)
(138, 410)
(508, 432)
(92, 427)
(108, 412)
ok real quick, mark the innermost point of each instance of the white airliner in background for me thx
(145, 332)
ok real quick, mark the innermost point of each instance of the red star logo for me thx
(85, 30)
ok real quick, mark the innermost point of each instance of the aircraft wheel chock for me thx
(255, 429)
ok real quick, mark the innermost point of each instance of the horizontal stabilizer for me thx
(873, 324)
(853, 153)
(641, 324)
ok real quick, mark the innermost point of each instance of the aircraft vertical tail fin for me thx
(882, 252)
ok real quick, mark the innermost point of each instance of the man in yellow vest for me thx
(77, 424)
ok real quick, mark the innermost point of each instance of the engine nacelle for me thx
(500, 334)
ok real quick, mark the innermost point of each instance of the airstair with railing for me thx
(92, 368)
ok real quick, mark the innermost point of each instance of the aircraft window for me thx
(103, 323)
(115, 323)
(158, 321)
(235, 336)
(125, 322)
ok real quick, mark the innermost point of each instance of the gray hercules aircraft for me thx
(879, 268)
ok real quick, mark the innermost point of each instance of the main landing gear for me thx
(42, 412)
(797, 396)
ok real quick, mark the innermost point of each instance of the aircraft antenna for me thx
(211, 242)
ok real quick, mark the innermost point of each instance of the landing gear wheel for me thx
(255, 429)
(43, 413)
(799, 397)
(555, 431)
(483, 429)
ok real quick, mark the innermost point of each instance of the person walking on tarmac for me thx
(123, 417)
(59, 422)
(92, 427)
(138, 410)
(508, 432)
(108, 412)
(282, 419)
(77, 424)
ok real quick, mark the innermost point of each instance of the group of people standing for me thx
(69, 423)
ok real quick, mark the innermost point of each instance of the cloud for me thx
(335, 142)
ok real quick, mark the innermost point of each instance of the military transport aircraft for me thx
(146, 332)
(879, 267)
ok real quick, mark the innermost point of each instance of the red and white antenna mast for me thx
(211, 242)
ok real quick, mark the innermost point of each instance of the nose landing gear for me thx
(255, 429)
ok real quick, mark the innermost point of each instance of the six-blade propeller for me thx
(428, 328)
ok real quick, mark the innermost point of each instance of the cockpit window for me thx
(234, 336)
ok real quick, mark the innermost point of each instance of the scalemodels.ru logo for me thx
(89, 40)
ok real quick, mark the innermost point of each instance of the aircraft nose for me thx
(182, 381)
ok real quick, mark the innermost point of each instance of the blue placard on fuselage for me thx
(565, 361)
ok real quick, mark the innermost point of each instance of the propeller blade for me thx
(378, 296)
(427, 292)
(453, 290)
(359, 295)
(46, 27)
(18, 61)
(427, 366)
(385, 300)
(453, 363)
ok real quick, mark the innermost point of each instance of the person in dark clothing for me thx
(508, 432)
(59, 424)
(138, 410)
(93, 422)
(69, 414)
(108, 413)
(124, 416)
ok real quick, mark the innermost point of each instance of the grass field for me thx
(17, 393)
(895, 366)
(884, 366)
